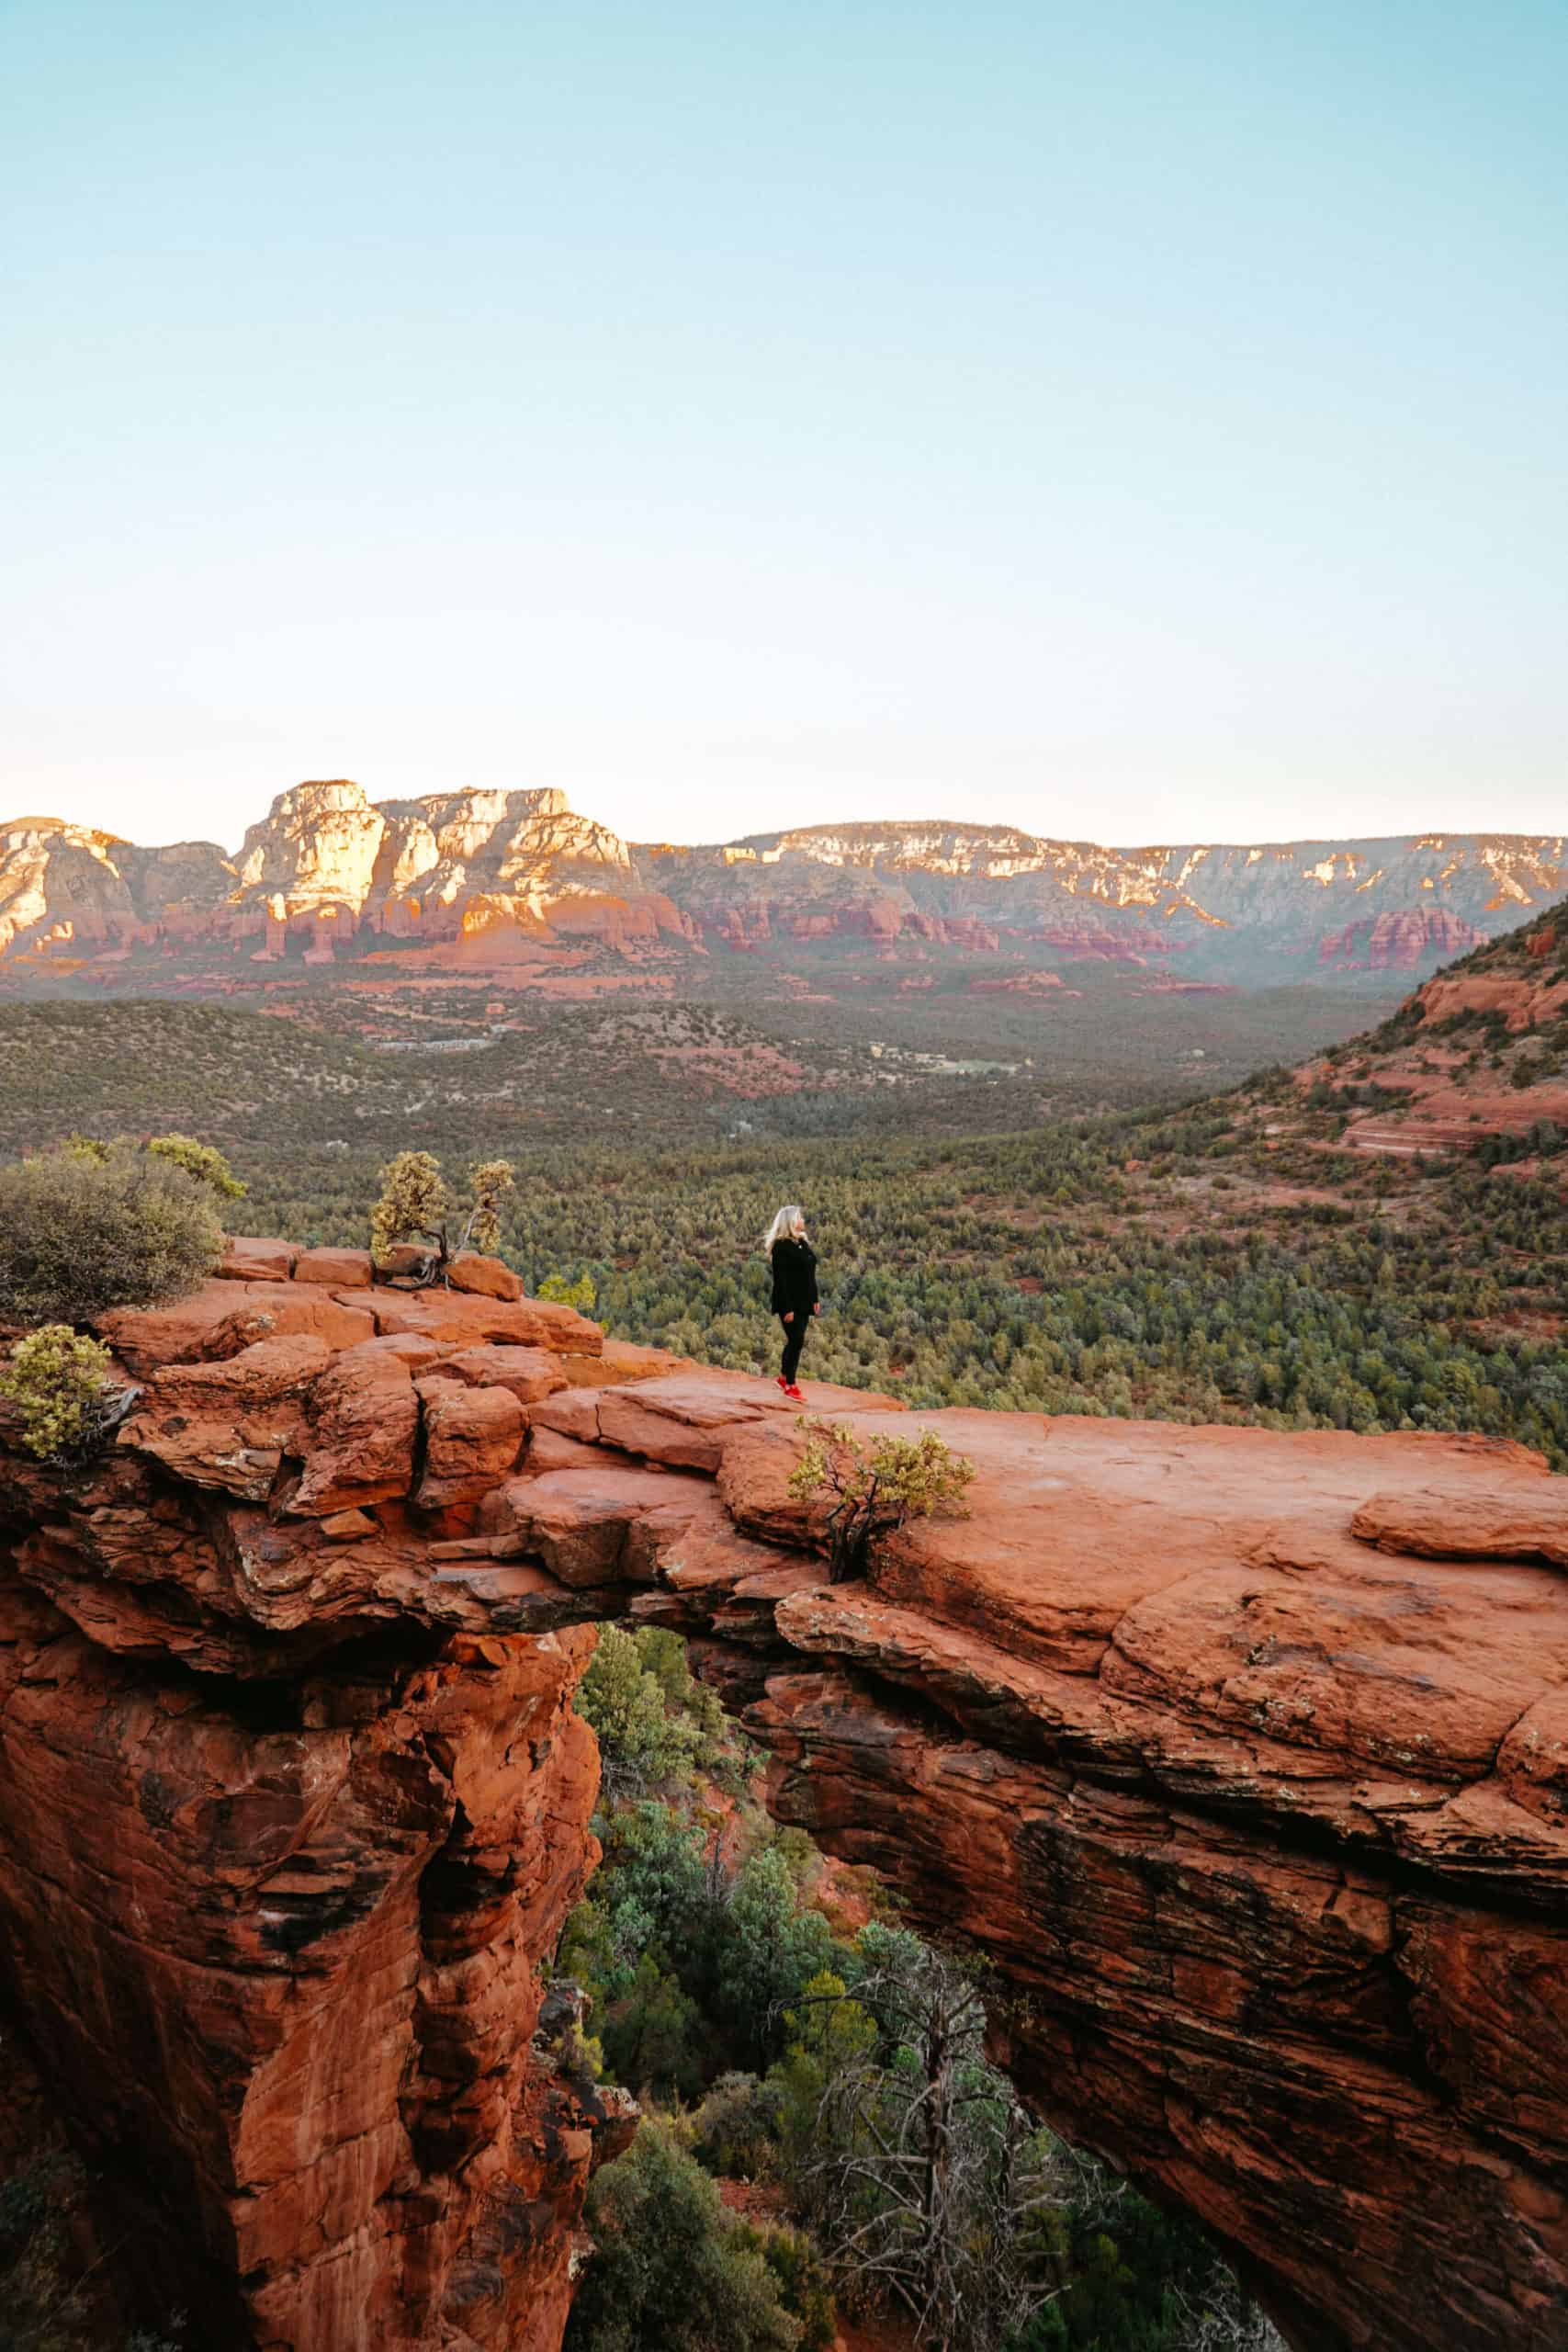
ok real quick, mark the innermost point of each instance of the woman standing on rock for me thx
(794, 1263)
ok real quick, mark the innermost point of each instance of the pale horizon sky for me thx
(1136, 426)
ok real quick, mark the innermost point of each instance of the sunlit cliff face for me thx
(329, 842)
(415, 866)
(1211, 884)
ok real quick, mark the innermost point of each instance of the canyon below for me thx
(1235, 1756)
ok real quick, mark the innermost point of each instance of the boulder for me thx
(531, 1374)
(347, 1526)
(247, 1258)
(621, 1360)
(409, 1262)
(579, 1523)
(228, 1425)
(574, 1415)
(364, 1423)
(335, 1269)
(471, 1441)
(547, 1450)
(1436, 1526)
(419, 1355)
(458, 1319)
(221, 1318)
(485, 1277)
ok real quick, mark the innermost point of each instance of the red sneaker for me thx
(784, 1384)
(796, 1394)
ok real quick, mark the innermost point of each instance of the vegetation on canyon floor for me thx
(50, 2300)
(824, 2125)
(478, 1068)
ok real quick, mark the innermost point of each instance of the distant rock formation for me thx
(66, 886)
(1477, 1052)
(1241, 1757)
(470, 877)
(1232, 912)
(1400, 943)
(326, 845)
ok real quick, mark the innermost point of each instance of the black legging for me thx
(794, 1340)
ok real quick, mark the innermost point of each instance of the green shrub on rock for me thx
(60, 1384)
(79, 1234)
(874, 1490)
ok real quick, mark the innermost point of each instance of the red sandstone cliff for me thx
(1480, 1049)
(1242, 1757)
(1398, 943)
(471, 877)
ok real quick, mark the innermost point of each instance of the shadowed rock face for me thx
(1242, 1758)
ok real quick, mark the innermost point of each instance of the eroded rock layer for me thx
(474, 878)
(1242, 1758)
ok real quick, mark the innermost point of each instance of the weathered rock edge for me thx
(1242, 1758)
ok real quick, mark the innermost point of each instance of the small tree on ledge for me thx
(414, 1206)
(492, 1179)
(416, 1203)
(875, 1489)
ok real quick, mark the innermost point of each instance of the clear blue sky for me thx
(1135, 421)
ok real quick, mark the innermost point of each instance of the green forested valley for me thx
(1154, 1264)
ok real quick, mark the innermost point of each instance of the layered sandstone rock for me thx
(1349, 906)
(328, 844)
(68, 887)
(1480, 1050)
(1242, 1759)
(470, 872)
(476, 879)
(1400, 942)
(318, 845)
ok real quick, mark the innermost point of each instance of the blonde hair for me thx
(784, 1224)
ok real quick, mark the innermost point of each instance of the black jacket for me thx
(794, 1277)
